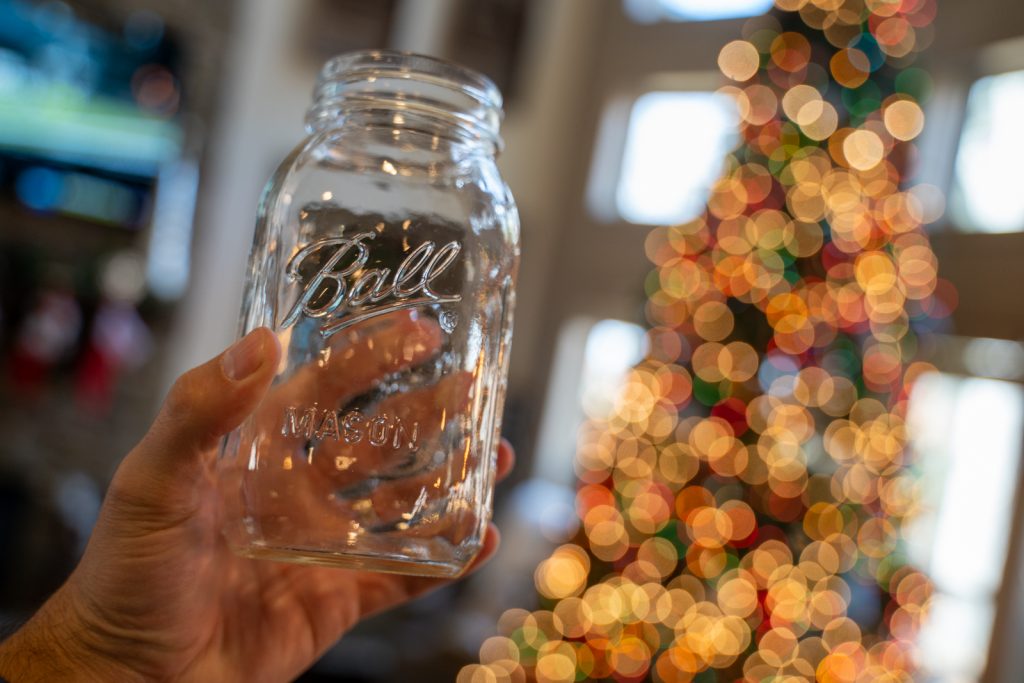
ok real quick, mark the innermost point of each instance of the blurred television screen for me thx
(88, 110)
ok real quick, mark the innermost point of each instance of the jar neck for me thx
(407, 93)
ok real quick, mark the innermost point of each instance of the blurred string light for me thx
(744, 507)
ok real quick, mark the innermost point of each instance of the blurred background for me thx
(135, 137)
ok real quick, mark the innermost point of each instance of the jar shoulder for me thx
(382, 180)
(394, 161)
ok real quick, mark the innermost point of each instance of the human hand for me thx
(288, 485)
(159, 596)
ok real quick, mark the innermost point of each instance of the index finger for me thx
(506, 459)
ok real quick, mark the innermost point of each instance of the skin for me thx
(158, 596)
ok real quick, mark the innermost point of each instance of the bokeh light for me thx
(744, 502)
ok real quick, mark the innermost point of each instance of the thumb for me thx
(204, 404)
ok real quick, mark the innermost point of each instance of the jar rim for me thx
(411, 65)
(414, 87)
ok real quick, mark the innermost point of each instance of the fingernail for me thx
(244, 358)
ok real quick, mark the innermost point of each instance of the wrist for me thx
(54, 645)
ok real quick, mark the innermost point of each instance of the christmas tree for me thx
(743, 503)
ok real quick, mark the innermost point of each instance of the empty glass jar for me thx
(385, 260)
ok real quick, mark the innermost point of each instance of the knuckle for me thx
(183, 396)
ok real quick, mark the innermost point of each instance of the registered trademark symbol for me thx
(448, 320)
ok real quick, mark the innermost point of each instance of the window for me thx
(969, 430)
(612, 348)
(583, 385)
(987, 193)
(650, 11)
(675, 145)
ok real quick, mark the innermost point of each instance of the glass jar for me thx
(385, 260)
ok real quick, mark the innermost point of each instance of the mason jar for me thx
(384, 260)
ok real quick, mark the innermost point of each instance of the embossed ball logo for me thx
(344, 292)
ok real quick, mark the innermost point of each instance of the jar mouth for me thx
(407, 83)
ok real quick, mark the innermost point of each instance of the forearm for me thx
(51, 647)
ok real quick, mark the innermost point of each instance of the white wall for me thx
(265, 94)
